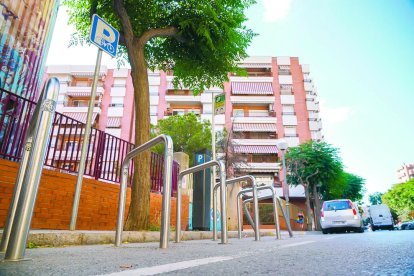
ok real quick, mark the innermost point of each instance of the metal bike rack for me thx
(166, 192)
(21, 208)
(252, 181)
(275, 199)
(223, 195)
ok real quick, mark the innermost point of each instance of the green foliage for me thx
(375, 198)
(188, 133)
(314, 163)
(210, 38)
(354, 188)
(401, 199)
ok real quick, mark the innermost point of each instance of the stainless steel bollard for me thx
(166, 193)
(223, 196)
(21, 209)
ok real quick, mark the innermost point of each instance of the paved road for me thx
(370, 253)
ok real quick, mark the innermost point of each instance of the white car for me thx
(340, 215)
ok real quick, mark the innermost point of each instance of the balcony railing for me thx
(105, 152)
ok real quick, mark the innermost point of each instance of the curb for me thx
(60, 238)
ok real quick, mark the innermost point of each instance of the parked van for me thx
(381, 217)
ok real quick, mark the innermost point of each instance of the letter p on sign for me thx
(104, 35)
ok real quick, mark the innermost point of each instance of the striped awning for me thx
(113, 122)
(78, 93)
(257, 127)
(252, 88)
(255, 65)
(284, 67)
(255, 149)
(80, 116)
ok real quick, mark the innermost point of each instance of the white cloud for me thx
(335, 114)
(275, 10)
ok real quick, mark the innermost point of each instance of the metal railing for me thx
(105, 152)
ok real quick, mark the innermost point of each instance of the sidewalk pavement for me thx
(58, 238)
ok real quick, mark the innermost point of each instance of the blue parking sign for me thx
(104, 35)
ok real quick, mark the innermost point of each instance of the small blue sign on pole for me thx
(104, 35)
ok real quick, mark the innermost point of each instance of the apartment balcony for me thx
(251, 78)
(292, 140)
(285, 79)
(81, 109)
(252, 100)
(83, 91)
(255, 119)
(289, 119)
(308, 86)
(312, 105)
(255, 142)
(257, 167)
(315, 125)
(287, 99)
(182, 99)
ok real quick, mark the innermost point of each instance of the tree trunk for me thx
(308, 209)
(138, 216)
(317, 210)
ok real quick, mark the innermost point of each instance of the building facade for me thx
(405, 173)
(276, 100)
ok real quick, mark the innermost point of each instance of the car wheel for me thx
(361, 230)
(325, 231)
(373, 228)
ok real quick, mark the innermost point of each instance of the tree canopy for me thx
(401, 199)
(375, 198)
(354, 187)
(188, 132)
(200, 41)
(314, 163)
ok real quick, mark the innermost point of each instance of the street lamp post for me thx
(283, 145)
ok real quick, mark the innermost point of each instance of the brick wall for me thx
(98, 203)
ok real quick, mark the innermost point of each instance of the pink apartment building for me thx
(405, 173)
(277, 99)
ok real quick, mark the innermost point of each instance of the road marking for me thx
(330, 238)
(152, 270)
(296, 244)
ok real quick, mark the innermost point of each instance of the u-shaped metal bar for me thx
(276, 199)
(223, 196)
(166, 192)
(252, 181)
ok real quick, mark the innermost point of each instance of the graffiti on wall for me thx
(24, 25)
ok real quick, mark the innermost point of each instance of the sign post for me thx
(106, 38)
(218, 107)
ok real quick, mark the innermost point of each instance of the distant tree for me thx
(199, 40)
(188, 132)
(375, 198)
(401, 198)
(311, 164)
(354, 187)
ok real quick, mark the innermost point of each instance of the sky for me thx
(361, 57)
